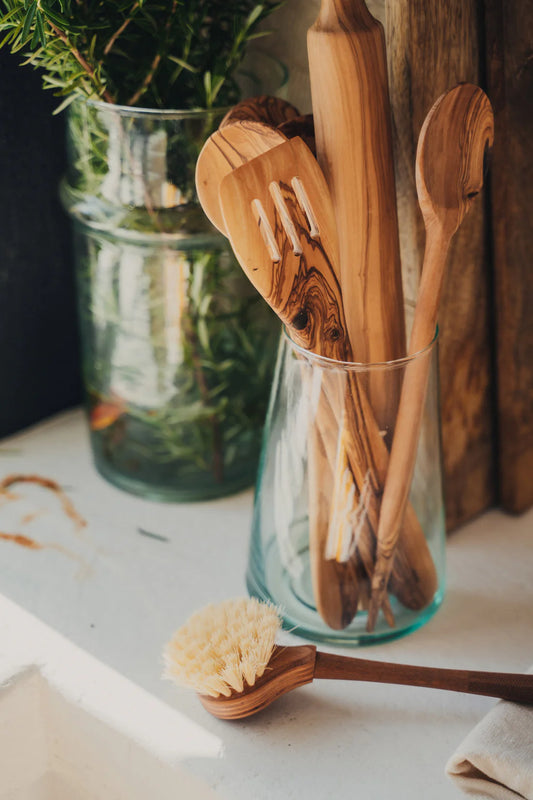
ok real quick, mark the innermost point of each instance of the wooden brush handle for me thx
(506, 685)
(349, 87)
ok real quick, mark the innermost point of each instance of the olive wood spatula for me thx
(235, 143)
(286, 244)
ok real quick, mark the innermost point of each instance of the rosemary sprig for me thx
(154, 53)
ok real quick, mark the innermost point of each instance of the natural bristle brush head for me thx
(223, 647)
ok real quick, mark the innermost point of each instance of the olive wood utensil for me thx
(291, 667)
(227, 148)
(279, 219)
(349, 88)
(224, 151)
(263, 108)
(450, 158)
(302, 126)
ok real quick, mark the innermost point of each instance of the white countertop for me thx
(118, 595)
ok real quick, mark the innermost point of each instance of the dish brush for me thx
(227, 653)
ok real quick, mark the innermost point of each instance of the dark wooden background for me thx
(509, 62)
(39, 363)
(486, 319)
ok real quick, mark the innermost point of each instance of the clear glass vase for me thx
(178, 350)
(318, 496)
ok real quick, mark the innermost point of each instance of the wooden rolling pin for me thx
(349, 88)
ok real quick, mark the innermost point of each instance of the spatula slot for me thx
(266, 230)
(307, 208)
(285, 217)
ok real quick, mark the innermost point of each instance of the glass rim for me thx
(142, 111)
(361, 366)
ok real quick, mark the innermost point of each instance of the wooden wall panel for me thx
(509, 48)
(432, 45)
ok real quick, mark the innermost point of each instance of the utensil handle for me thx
(344, 15)
(409, 420)
(505, 685)
(349, 88)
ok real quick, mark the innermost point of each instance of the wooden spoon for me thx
(304, 127)
(228, 148)
(290, 667)
(450, 158)
(265, 108)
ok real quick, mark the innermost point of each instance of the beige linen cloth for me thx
(495, 761)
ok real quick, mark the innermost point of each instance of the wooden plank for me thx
(509, 27)
(432, 45)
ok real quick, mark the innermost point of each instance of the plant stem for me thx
(155, 63)
(81, 60)
(117, 33)
(146, 82)
(218, 456)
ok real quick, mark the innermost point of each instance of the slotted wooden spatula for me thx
(278, 217)
(280, 222)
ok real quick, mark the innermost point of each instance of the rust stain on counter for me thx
(23, 541)
(45, 483)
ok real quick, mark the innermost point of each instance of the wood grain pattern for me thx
(292, 667)
(302, 287)
(507, 685)
(455, 138)
(296, 273)
(228, 148)
(510, 86)
(288, 668)
(263, 108)
(304, 127)
(351, 111)
(432, 45)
